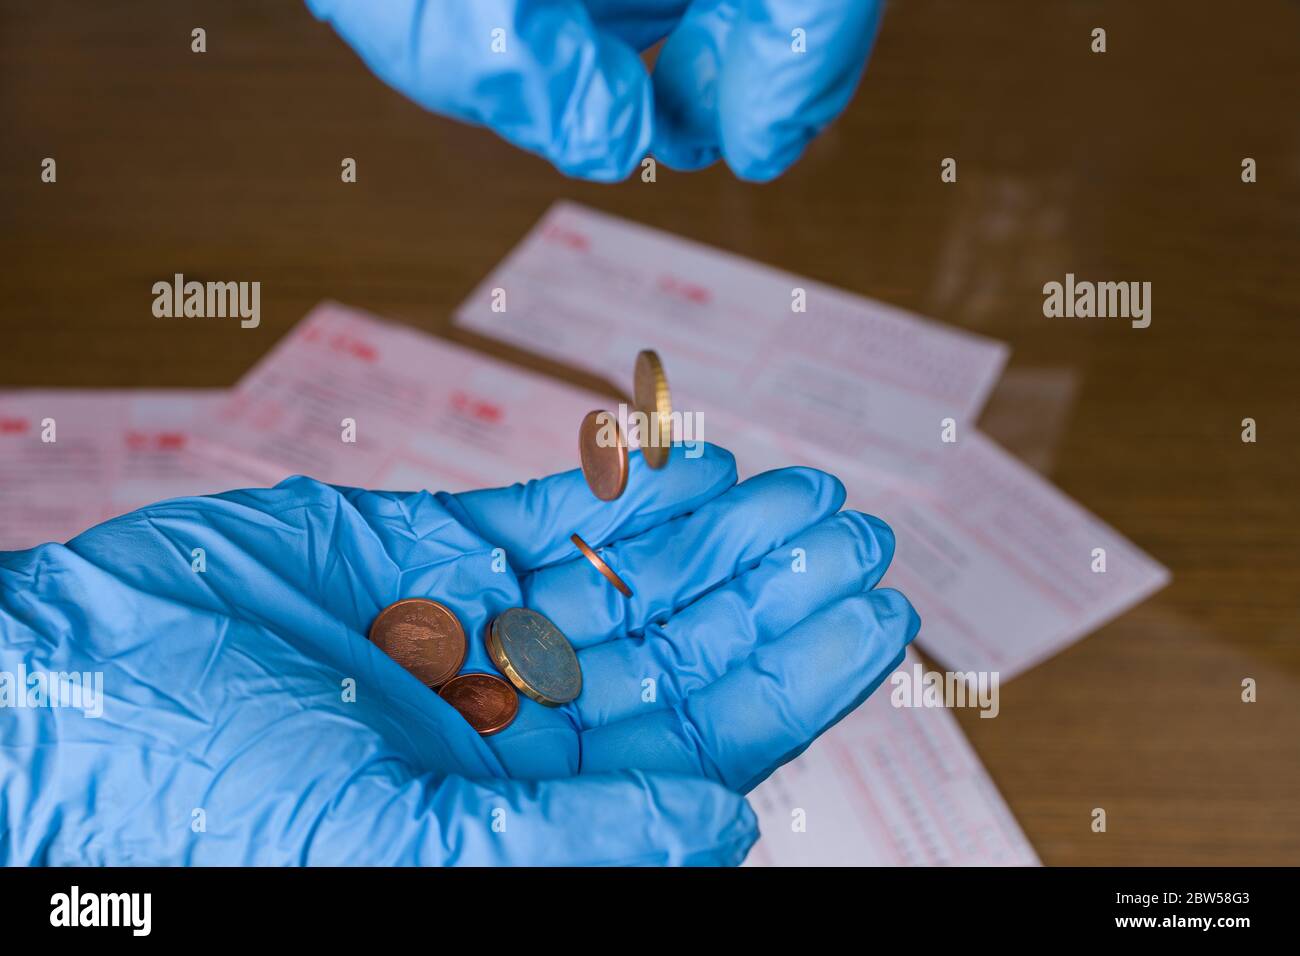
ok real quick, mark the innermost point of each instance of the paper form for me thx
(589, 289)
(997, 561)
(428, 414)
(887, 786)
(1000, 564)
(114, 450)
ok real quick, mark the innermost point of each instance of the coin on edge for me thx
(423, 636)
(653, 400)
(603, 451)
(535, 655)
(486, 702)
(600, 565)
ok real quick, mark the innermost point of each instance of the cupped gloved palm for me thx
(749, 81)
(246, 719)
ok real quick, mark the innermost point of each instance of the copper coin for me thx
(600, 565)
(423, 636)
(603, 451)
(653, 400)
(487, 702)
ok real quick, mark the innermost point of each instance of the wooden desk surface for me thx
(1124, 165)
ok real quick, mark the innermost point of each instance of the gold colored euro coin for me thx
(653, 400)
(535, 656)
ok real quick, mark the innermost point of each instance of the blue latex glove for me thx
(227, 735)
(734, 80)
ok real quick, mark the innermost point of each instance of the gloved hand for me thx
(736, 78)
(247, 719)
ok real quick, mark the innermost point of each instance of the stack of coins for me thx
(427, 639)
(602, 447)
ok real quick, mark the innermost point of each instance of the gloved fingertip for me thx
(685, 82)
(835, 490)
(716, 459)
(685, 135)
(736, 842)
(824, 491)
(710, 825)
(875, 538)
(762, 164)
(701, 465)
(614, 168)
(608, 125)
(895, 614)
(775, 96)
(683, 159)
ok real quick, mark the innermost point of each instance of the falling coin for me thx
(653, 400)
(538, 659)
(603, 451)
(601, 566)
(487, 702)
(423, 636)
